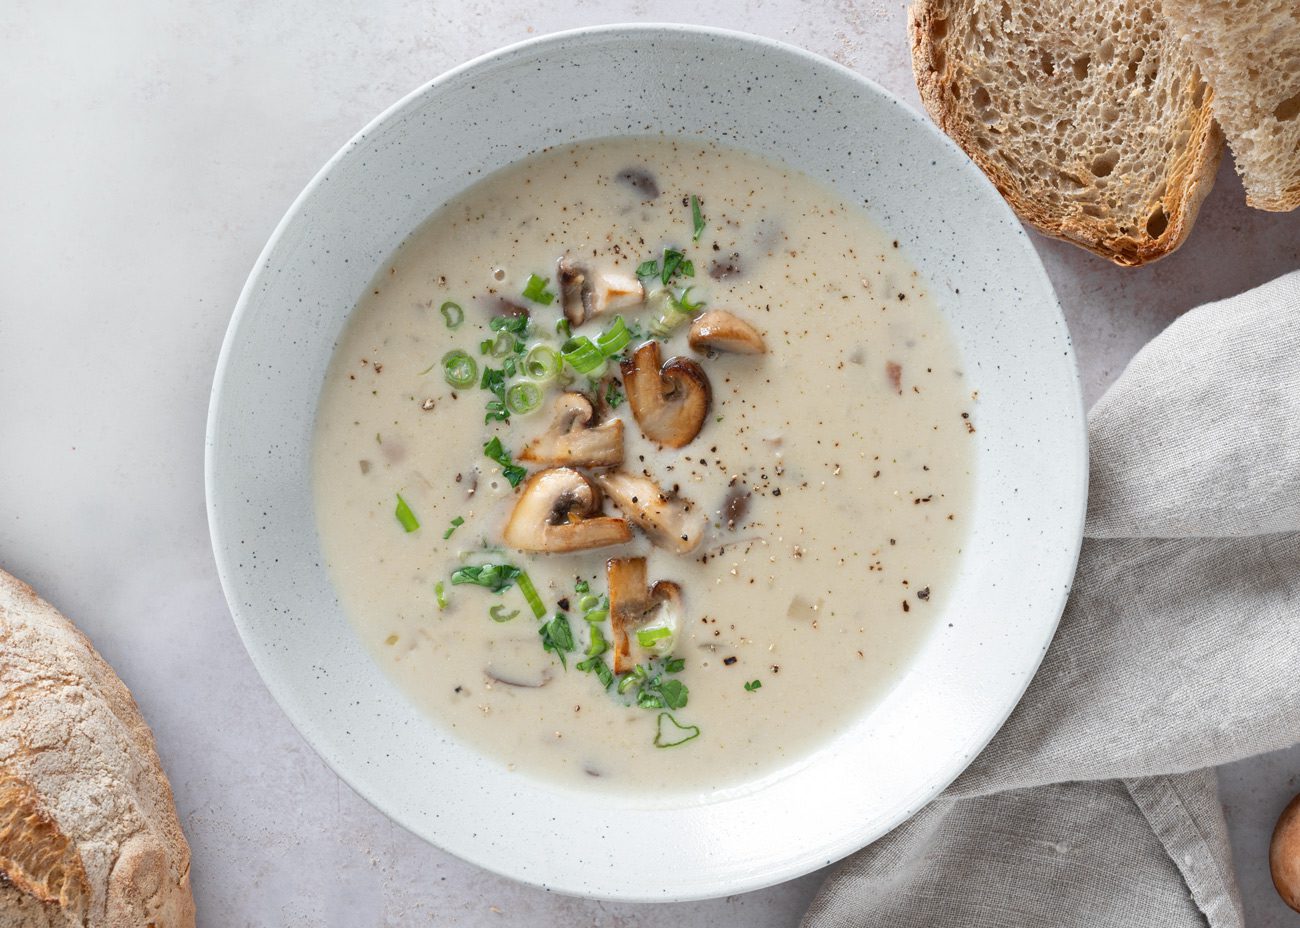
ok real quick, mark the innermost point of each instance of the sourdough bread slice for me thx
(1250, 52)
(88, 832)
(1087, 115)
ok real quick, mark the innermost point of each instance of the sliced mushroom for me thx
(671, 522)
(719, 330)
(584, 294)
(572, 438)
(632, 604)
(559, 511)
(670, 402)
(574, 292)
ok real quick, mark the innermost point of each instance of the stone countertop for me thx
(149, 150)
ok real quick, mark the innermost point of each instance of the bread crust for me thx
(88, 828)
(1190, 177)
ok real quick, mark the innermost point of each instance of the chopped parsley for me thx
(455, 524)
(753, 685)
(557, 637)
(536, 291)
(495, 577)
(509, 469)
(675, 262)
(613, 395)
(494, 381)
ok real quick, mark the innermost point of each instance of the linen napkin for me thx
(1096, 804)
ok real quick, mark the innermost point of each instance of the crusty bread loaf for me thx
(88, 832)
(1088, 116)
(1250, 52)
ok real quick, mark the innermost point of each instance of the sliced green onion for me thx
(683, 303)
(671, 737)
(530, 593)
(536, 291)
(598, 644)
(455, 524)
(523, 398)
(582, 355)
(614, 339)
(626, 683)
(588, 601)
(459, 369)
(697, 220)
(503, 345)
(440, 591)
(646, 700)
(452, 314)
(563, 328)
(674, 665)
(596, 616)
(648, 636)
(499, 614)
(405, 516)
(542, 363)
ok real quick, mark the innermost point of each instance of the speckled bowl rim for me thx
(815, 854)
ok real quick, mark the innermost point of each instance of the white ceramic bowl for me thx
(767, 98)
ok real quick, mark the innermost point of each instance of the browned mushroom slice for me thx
(633, 606)
(628, 600)
(575, 293)
(719, 330)
(670, 402)
(584, 294)
(573, 439)
(671, 522)
(559, 511)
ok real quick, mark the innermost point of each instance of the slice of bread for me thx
(1088, 116)
(88, 831)
(1250, 52)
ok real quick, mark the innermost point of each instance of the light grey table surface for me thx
(147, 150)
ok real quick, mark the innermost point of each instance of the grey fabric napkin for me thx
(1096, 804)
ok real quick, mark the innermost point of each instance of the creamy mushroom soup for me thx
(645, 465)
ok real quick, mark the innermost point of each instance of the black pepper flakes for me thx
(923, 594)
(729, 661)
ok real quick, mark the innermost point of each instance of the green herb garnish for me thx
(455, 524)
(648, 636)
(530, 594)
(452, 314)
(557, 637)
(517, 325)
(494, 381)
(663, 734)
(674, 665)
(613, 395)
(523, 398)
(753, 685)
(536, 291)
(581, 587)
(598, 645)
(440, 591)
(495, 577)
(499, 614)
(674, 692)
(682, 303)
(509, 469)
(674, 263)
(599, 668)
(459, 369)
(697, 220)
(405, 516)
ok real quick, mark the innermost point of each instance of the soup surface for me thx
(798, 477)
